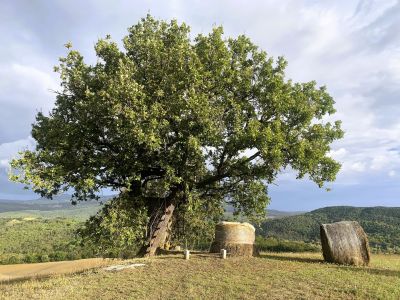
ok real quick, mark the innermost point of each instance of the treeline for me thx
(273, 244)
(382, 225)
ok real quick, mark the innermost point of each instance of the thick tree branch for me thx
(218, 177)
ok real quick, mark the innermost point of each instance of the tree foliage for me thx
(117, 230)
(120, 227)
(194, 223)
(169, 116)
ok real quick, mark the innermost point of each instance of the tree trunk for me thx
(159, 229)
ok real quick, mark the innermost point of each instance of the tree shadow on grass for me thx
(367, 270)
(292, 258)
(372, 271)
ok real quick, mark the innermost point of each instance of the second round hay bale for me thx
(345, 243)
(236, 238)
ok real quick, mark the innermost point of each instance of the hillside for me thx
(43, 230)
(276, 214)
(45, 208)
(270, 213)
(382, 224)
(61, 207)
(27, 240)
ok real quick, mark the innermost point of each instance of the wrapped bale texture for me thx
(345, 243)
(236, 238)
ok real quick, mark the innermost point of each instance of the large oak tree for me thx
(172, 120)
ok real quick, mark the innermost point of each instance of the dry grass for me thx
(271, 276)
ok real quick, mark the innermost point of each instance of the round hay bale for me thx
(236, 238)
(345, 243)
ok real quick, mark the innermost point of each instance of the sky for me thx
(352, 47)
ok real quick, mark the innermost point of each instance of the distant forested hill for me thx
(45, 208)
(382, 224)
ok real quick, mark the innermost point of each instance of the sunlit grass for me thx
(271, 276)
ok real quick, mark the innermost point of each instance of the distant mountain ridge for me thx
(45, 204)
(274, 214)
(270, 213)
(60, 206)
(382, 224)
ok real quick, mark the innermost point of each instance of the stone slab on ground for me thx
(115, 268)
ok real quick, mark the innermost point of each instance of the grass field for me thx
(271, 276)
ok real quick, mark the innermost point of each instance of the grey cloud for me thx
(386, 103)
(24, 90)
(14, 125)
(286, 195)
(13, 191)
(385, 29)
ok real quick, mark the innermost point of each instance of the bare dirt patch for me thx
(25, 271)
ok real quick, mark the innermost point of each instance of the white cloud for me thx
(358, 166)
(24, 90)
(379, 162)
(27, 86)
(338, 154)
(10, 150)
(4, 163)
(42, 78)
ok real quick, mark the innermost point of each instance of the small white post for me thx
(223, 253)
(187, 254)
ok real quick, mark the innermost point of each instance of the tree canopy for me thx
(201, 121)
